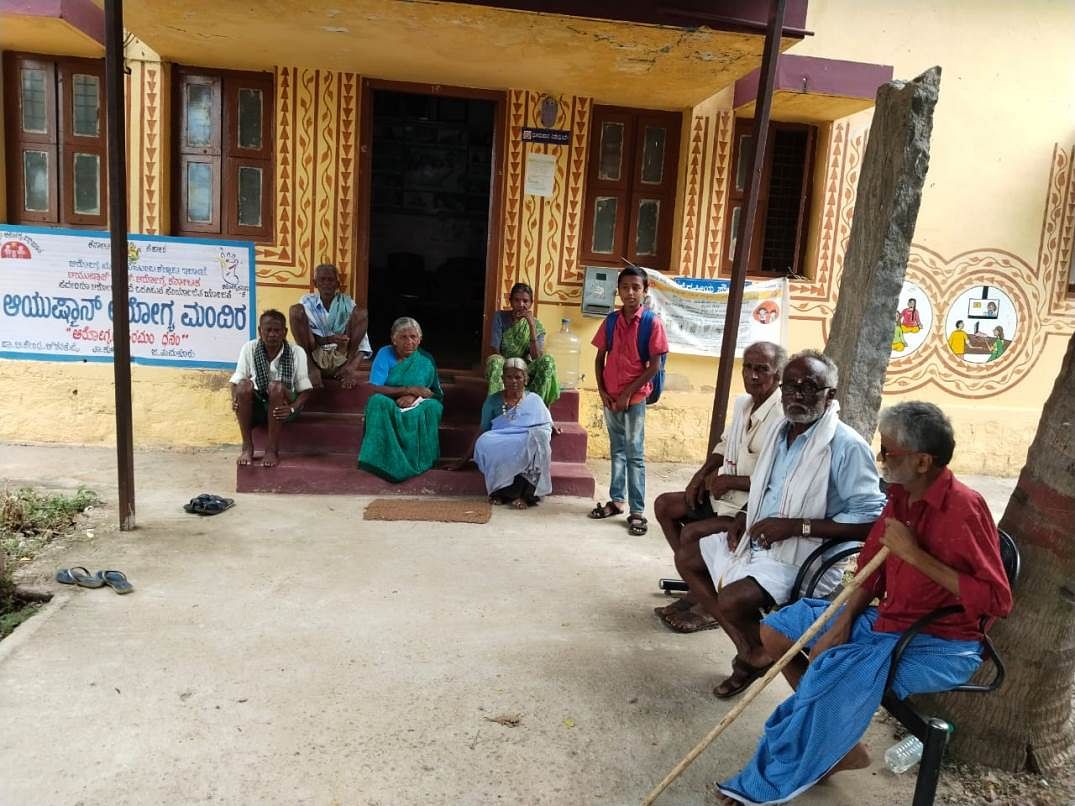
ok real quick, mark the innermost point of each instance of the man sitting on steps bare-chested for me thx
(331, 329)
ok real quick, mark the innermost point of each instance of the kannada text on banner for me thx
(693, 312)
(191, 301)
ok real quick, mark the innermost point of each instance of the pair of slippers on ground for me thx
(636, 524)
(208, 504)
(82, 577)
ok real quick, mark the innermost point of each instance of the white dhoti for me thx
(775, 577)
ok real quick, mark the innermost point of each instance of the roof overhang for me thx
(462, 44)
(744, 16)
(61, 27)
(813, 90)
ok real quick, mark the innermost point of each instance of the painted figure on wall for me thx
(982, 322)
(999, 345)
(910, 322)
(957, 340)
(899, 344)
(913, 321)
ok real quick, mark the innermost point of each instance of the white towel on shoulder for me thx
(806, 488)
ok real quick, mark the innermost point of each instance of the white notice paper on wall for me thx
(540, 174)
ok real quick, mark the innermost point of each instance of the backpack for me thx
(645, 329)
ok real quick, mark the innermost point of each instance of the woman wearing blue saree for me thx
(401, 438)
(513, 450)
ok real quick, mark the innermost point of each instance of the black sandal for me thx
(742, 676)
(636, 524)
(606, 510)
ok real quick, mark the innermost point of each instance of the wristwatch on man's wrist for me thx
(806, 527)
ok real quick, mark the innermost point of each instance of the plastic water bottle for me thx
(904, 754)
(565, 350)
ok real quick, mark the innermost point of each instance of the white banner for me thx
(191, 301)
(693, 311)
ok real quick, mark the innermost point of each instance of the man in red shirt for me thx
(944, 551)
(624, 383)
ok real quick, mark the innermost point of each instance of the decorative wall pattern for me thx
(1056, 229)
(541, 235)
(708, 155)
(1037, 293)
(692, 194)
(147, 165)
(722, 155)
(316, 141)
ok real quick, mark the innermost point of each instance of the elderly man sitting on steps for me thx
(718, 491)
(815, 480)
(330, 329)
(944, 551)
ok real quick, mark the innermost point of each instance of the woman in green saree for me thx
(998, 346)
(517, 334)
(401, 438)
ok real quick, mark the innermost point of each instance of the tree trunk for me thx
(1026, 724)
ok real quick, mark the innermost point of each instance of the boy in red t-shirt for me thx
(624, 382)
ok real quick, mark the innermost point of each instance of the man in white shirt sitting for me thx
(270, 386)
(719, 490)
(330, 329)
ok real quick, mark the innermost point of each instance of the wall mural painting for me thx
(914, 320)
(992, 332)
(981, 324)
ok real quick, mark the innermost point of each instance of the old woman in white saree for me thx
(514, 450)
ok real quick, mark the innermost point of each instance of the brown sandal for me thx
(690, 621)
(743, 674)
(677, 606)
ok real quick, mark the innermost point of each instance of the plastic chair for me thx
(933, 732)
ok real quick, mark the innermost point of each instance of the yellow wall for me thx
(998, 209)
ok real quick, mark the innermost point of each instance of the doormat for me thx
(442, 510)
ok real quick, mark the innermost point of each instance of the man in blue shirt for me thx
(815, 481)
(331, 329)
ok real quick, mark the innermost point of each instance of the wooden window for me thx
(223, 183)
(631, 187)
(55, 132)
(780, 227)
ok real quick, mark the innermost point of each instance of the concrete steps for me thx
(318, 452)
(337, 474)
(324, 432)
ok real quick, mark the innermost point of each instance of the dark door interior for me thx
(429, 220)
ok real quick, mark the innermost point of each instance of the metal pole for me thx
(744, 242)
(117, 227)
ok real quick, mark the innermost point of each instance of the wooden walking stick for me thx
(757, 686)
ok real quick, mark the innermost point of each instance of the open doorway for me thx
(431, 169)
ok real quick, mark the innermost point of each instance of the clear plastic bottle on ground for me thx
(565, 349)
(904, 754)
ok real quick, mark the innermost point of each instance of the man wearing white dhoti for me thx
(815, 481)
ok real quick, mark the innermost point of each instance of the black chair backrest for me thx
(821, 560)
(1009, 555)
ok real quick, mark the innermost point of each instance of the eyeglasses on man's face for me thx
(886, 454)
(804, 389)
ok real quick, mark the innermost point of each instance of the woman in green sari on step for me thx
(401, 438)
(517, 334)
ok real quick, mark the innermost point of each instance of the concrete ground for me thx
(289, 652)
